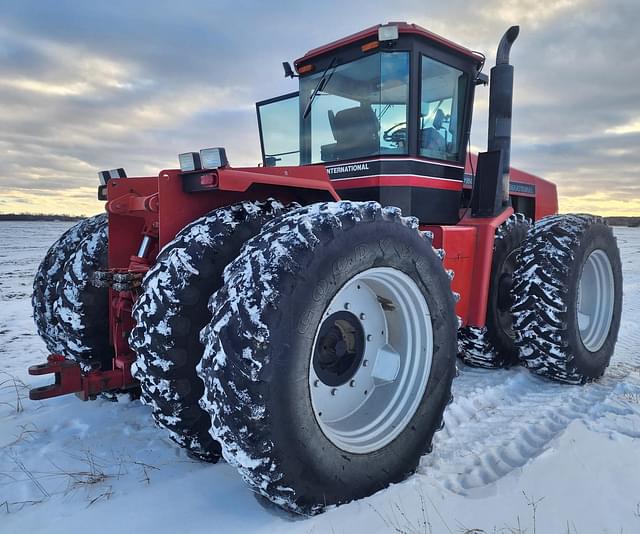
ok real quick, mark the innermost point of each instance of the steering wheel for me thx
(396, 134)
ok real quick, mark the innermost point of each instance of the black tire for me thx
(82, 308)
(258, 346)
(49, 279)
(172, 309)
(494, 346)
(545, 293)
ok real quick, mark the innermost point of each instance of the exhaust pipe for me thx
(500, 106)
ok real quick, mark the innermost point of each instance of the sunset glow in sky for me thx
(88, 86)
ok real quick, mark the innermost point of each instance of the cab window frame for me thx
(342, 58)
(347, 55)
(280, 98)
(464, 121)
(457, 61)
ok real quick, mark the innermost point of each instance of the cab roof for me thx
(404, 28)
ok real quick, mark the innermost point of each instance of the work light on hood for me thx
(189, 161)
(213, 158)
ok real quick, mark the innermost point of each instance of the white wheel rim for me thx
(388, 377)
(595, 302)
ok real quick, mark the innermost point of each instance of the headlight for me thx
(189, 161)
(213, 158)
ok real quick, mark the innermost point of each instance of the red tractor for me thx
(302, 317)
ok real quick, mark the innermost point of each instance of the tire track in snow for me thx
(496, 424)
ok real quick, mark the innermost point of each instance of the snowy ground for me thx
(518, 454)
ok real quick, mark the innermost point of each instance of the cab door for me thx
(279, 125)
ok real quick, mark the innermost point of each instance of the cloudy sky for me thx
(86, 86)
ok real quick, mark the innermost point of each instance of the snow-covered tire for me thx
(82, 308)
(172, 309)
(493, 346)
(262, 341)
(74, 253)
(567, 295)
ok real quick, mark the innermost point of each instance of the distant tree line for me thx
(38, 217)
(613, 221)
(633, 222)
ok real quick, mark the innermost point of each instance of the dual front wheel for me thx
(327, 353)
(330, 354)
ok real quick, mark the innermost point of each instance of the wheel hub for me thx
(371, 360)
(339, 348)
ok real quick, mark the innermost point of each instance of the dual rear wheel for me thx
(555, 299)
(567, 298)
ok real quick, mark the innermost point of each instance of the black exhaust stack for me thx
(491, 186)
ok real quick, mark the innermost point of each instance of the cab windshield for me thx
(359, 111)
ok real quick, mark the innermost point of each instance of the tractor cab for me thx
(387, 111)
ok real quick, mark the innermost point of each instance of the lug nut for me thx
(369, 337)
(334, 391)
(365, 363)
(362, 316)
(347, 305)
(352, 384)
(316, 383)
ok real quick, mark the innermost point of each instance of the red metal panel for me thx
(459, 244)
(546, 199)
(177, 208)
(126, 224)
(469, 253)
(307, 177)
(479, 291)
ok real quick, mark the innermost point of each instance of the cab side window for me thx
(279, 123)
(442, 98)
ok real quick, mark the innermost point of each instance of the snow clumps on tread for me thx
(541, 295)
(81, 307)
(235, 384)
(475, 348)
(172, 309)
(49, 279)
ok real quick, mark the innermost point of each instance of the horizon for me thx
(85, 215)
(77, 100)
